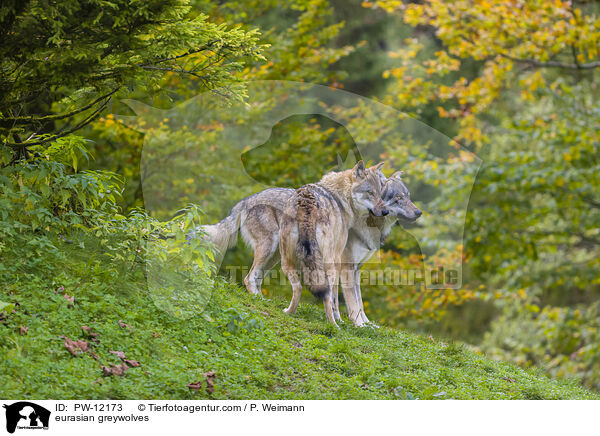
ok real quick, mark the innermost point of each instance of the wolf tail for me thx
(310, 259)
(224, 234)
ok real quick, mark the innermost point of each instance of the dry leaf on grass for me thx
(119, 354)
(76, 346)
(210, 378)
(123, 325)
(115, 369)
(196, 386)
(210, 386)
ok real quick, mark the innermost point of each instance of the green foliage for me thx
(51, 215)
(538, 187)
(562, 340)
(6, 308)
(41, 203)
(291, 157)
(240, 322)
(62, 61)
(178, 269)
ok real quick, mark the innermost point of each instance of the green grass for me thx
(256, 351)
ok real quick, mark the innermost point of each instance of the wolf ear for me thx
(397, 175)
(359, 170)
(377, 167)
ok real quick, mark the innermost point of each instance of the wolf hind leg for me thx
(292, 276)
(264, 260)
(297, 293)
(328, 306)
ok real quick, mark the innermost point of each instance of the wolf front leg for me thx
(347, 278)
(334, 281)
(358, 295)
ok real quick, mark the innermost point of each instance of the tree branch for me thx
(83, 123)
(207, 46)
(31, 118)
(175, 70)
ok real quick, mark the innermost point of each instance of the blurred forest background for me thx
(514, 82)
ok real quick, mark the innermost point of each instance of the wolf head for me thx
(366, 191)
(396, 198)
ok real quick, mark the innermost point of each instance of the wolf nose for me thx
(418, 213)
(385, 212)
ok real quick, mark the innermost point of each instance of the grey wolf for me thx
(314, 230)
(258, 219)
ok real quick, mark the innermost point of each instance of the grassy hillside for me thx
(254, 349)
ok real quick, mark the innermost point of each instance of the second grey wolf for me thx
(367, 235)
(314, 230)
